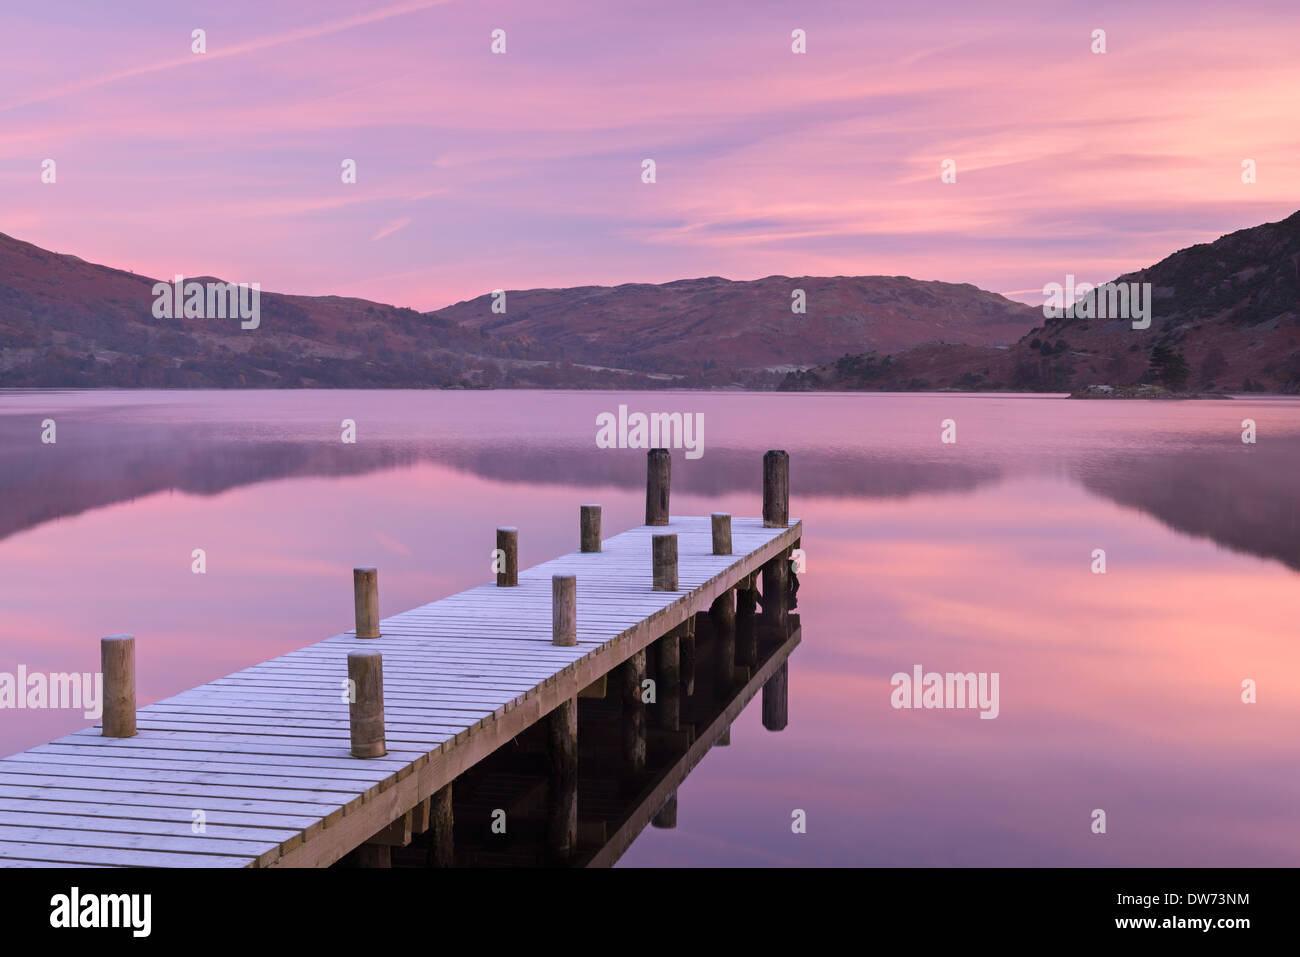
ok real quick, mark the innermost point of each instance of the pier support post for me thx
(746, 624)
(508, 546)
(688, 655)
(724, 739)
(723, 617)
(776, 593)
(776, 489)
(663, 549)
(667, 816)
(721, 533)
(668, 698)
(564, 609)
(589, 528)
(658, 473)
(442, 850)
(776, 699)
(562, 824)
(365, 595)
(366, 707)
(117, 664)
(632, 673)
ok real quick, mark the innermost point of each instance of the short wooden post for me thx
(658, 474)
(632, 673)
(775, 699)
(366, 706)
(508, 556)
(663, 550)
(667, 816)
(776, 489)
(746, 624)
(688, 655)
(668, 696)
(564, 609)
(589, 521)
(562, 811)
(725, 739)
(117, 664)
(442, 849)
(365, 595)
(723, 616)
(721, 533)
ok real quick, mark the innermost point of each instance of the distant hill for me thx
(680, 326)
(1228, 312)
(67, 322)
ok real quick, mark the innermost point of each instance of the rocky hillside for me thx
(1225, 318)
(693, 323)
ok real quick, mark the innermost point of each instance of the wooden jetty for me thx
(350, 748)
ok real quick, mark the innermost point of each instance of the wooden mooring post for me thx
(366, 703)
(776, 514)
(658, 475)
(365, 596)
(589, 528)
(663, 552)
(508, 555)
(564, 609)
(117, 664)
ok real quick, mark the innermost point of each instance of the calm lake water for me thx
(1120, 691)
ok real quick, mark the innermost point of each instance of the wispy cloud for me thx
(391, 228)
(220, 52)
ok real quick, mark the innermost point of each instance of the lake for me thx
(1120, 691)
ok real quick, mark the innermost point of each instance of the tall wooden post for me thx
(564, 609)
(721, 533)
(508, 545)
(365, 596)
(562, 812)
(776, 489)
(117, 664)
(723, 617)
(442, 849)
(663, 550)
(747, 624)
(658, 474)
(632, 673)
(776, 699)
(589, 528)
(366, 707)
(668, 696)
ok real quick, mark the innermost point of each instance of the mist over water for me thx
(1119, 691)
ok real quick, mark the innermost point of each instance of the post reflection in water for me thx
(505, 809)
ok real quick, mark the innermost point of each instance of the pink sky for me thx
(478, 171)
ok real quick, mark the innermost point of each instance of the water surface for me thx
(1119, 691)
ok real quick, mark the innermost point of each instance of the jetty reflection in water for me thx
(503, 807)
